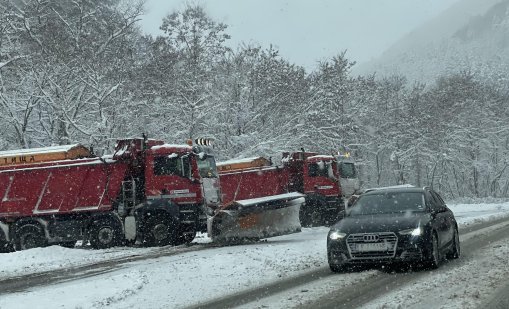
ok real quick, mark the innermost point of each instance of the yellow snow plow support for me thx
(235, 165)
(46, 154)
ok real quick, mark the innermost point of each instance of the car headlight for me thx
(335, 235)
(414, 232)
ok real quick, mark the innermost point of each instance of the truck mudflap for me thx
(5, 244)
(257, 218)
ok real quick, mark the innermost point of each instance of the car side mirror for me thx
(436, 211)
(431, 210)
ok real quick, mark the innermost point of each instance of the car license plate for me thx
(376, 246)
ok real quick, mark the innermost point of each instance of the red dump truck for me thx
(147, 191)
(312, 175)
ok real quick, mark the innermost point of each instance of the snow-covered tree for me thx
(75, 55)
(192, 47)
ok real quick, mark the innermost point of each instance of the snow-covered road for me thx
(189, 277)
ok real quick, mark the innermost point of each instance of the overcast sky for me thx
(306, 31)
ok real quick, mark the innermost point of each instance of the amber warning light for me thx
(344, 155)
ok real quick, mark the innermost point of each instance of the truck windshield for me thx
(207, 167)
(400, 202)
(172, 165)
(322, 169)
(347, 170)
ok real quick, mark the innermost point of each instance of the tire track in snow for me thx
(500, 300)
(20, 283)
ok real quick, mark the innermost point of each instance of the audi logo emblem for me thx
(370, 238)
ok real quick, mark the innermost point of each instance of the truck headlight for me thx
(413, 232)
(335, 235)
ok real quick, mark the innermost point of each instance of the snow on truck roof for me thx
(236, 161)
(172, 146)
(321, 157)
(37, 150)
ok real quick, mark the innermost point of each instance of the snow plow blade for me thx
(257, 218)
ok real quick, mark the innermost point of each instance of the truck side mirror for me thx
(186, 167)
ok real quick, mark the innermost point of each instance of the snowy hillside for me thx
(471, 35)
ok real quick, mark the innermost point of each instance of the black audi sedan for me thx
(394, 225)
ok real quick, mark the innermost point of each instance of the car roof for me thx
(375, 191)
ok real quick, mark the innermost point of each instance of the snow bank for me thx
(467, 214)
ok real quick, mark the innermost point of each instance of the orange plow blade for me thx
(257, 218)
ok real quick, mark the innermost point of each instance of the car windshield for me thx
(400, 202)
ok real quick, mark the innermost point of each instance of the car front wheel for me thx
(434, 255)
(455, 251)
(335, 267)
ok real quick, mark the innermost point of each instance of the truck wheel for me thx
(317, 218)
(104, 234)
(305, 216)
(186, 237)
(160, 231)
(5, 247)
(310, 214)
(29, 236)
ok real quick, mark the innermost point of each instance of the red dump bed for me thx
(253, 183)
(65, 186)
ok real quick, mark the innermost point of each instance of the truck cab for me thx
(188, 177)
(175, 182)
(171, 172)
(210, 186)
(317, 177)
(348, 177)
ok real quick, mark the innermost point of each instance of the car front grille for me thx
(364, 245)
